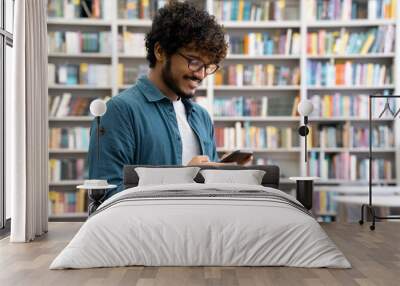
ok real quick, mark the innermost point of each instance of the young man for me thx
(155, 121)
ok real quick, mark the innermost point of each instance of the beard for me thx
(172, 83)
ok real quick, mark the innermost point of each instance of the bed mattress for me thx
(201, 225)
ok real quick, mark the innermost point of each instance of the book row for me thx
(255, 137)
(350, 9)
(324, 203)
(97, 9)
(139, 9)
(84, 73)
(266, 43)
(67, 169)
(375, 40)
(131, 43)
(321, 73)
(68, 105)
(338, 105)
(127, 74)
(258, 75)
(79, 42)
(338, 136)
(245, 106)
(69, 138)
(249, 10)
(67, 202)
(348, 167)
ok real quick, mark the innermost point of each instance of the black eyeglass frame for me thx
(203, 65)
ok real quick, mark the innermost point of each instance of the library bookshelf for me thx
(281, 97)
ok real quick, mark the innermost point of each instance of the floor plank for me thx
(374, 255)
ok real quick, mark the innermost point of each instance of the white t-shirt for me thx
(190, 143)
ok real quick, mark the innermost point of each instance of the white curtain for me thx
(26, 123)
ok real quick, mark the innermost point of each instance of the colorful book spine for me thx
(345, 136)
(255, 137)
(350, 9)
(70, 9)
(85, 74)
(67, 202)
(375, 40)
(344, 166)
(67, 169)
(266, 43)
(69, 138)
(257, 75)
(248, 10)
(340, 105)
(349, 73)
(241, 106)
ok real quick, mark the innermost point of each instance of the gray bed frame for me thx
(270, 179)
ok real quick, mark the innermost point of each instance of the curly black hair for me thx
(178, 25)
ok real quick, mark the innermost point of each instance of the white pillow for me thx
(166, 176)
(249, 177)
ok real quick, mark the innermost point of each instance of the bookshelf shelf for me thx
(78, 22)
(71, 119)
(81, 55)
(356, 182)
(349, 23)
(353, 150)
(262, 57)
(128, 56)
(260, 24)
(67, 151)
(78, 86)
(338, 119)
(134, 23)
(377, 87)
(256, 88)
(259, 118)
(351, 56)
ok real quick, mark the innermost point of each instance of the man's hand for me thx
(199, 160)
(204, 160)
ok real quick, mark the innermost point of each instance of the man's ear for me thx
(158, 52)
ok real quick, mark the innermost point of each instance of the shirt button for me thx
(179, 138)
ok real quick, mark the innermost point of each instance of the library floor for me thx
(375, 257)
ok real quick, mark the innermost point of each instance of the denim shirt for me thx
(140, 128)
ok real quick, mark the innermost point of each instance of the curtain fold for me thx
(26, 124)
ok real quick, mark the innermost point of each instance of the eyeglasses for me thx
(196, 65)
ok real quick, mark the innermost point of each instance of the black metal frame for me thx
(369, 207)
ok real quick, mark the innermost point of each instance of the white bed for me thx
(250, 225)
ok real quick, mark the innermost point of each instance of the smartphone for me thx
(237, 156)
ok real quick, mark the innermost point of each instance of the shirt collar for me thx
(152, 93)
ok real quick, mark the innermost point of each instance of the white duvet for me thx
(200, 231)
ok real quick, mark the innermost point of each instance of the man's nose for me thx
(201, 73)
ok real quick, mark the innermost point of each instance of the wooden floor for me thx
(375, 257)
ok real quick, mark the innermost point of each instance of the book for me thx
(69, 138)
(67, 169)
(343, 41)
(253, 137)
(257, 74)
(347, 72)
(67, 202)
